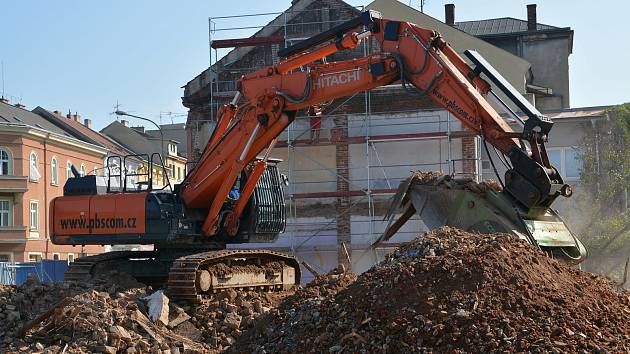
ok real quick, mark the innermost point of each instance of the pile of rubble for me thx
(446, 291)
(437, 178)
(450, 291)
(116, 314)
(220, 320)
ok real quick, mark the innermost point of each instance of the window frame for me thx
(30, 165)
(29, 254)
(68, 256)
(9, 212)
(563, 162)
(54, 171)
(68, 169)
(10, 254)
(82, 171)
(30, 214)
(9, 161)
(58, 256)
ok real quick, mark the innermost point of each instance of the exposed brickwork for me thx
(342, 204)
(469, 154)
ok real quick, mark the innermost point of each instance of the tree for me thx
(603, 200)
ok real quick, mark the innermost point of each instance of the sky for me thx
(89, 56)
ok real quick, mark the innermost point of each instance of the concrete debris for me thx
(450, 291)
(176, 316)
(158, 307)
(112, 314)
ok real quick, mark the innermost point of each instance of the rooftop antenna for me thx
(116, 109)
(421, 5)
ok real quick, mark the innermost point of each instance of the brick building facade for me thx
(35, 160)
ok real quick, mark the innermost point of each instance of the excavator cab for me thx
(264, 217)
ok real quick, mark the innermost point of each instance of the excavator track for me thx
(83, 268)
(193, 276)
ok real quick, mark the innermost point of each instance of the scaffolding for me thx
(372, 175)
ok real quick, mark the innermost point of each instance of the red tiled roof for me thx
(91, 134)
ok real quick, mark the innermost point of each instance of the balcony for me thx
(13, 184)
(13, 234)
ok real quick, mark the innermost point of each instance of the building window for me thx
(34, 257)
(54, 173)
(56, 256)
(5, 162)
(70, 258)
(572, 163)
(6, 257)
(567, 161)
(33, 171)
(5, 213)
(82, 171)
(179, 173)
(68, 169)
(34, 216)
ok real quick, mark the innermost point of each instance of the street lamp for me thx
(123, 113)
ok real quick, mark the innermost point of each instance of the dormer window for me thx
(172, 149)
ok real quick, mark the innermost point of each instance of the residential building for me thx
(563, 148)
(145, 145)
(542, 75)
(35, 161)
(175, 132)
(116, 153)
(545, 47)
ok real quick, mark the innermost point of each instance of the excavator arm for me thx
(417, 58)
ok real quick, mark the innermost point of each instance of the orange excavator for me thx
(234, 194)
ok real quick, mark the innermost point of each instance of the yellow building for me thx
(157, 152)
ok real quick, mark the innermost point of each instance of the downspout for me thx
(45, 180)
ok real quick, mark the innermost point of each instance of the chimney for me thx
(19, 105)
(4, 100)
(138, 129)
(87, 122)
(531, 17)
(76, 117)
(125, 122)
(449, 14)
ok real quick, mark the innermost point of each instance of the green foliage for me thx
(605, 180)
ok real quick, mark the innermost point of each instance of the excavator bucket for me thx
(441, 200)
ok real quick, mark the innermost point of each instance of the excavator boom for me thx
(417, 58)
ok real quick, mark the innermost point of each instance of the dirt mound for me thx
(439, 179)
(452, 291)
